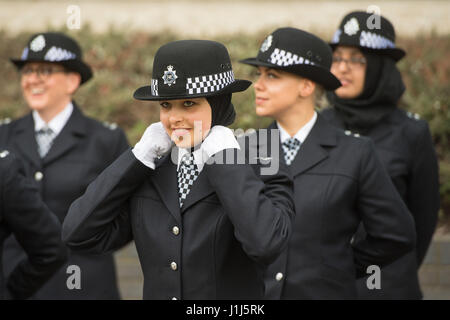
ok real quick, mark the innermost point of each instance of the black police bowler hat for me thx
(369, 32)
(189, 69)
(55, 47)
(299, 52)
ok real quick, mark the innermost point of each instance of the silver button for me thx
(175, 230)
(38, 176)
(279, 276)
(173, 265)
(4, 154)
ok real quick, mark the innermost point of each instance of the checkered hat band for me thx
(368, 40)
(374, 41)
(285, 58)
(59, 54)
(336, 36)
(154, 87)
(209, 83)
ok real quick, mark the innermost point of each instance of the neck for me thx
(47, 114)
(295, 118)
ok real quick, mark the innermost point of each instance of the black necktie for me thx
(290, 148)
(187, 173)
(44, 139)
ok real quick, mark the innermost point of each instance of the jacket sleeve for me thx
(388, 224)
(36, 229)
(423, 191)
(99, 220)
(260, 208)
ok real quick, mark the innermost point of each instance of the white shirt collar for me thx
(302, 133)
(201, 154)
(200, 157)
(57, 123)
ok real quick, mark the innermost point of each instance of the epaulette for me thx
(349, 133)
(412, 115)
(5, 121)
(109, 125)
(4, 153)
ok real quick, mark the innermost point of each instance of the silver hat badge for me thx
(170, 76)
(266, 44)
(38, 43)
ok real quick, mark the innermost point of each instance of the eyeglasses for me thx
(352, 63)
(43, 72)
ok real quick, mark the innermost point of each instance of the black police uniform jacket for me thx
(339, 182)
(79, 153)
(24, 214)
(406, 149)
(215, 246)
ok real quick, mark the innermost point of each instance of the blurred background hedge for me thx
(122, 62)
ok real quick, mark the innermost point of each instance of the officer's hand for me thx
(154, 143)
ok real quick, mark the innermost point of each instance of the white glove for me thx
(154, 143)
(219, 138)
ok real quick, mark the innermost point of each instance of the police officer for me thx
(38, 231)
(339, 181)
(364, 60)
(63, 151)
(204, 227)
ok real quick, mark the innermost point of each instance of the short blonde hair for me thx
(320, 97)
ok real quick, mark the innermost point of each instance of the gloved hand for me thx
(154, 143)
(219, 138)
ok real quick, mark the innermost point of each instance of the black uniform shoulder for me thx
(411, 124)
(351, 143)
(9, 164)
(105, 127)
(328, 113)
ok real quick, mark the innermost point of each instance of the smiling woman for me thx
(63, 150)
(202, 229)
(48, 88)
(187, 122)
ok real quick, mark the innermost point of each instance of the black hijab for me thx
(222, 110)
(383, 87)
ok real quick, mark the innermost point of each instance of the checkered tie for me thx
(44, 139)
(290, 148)
(187, 173)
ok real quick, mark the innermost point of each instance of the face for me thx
(187, 121)
(349, 66)
(276, 92)
(46, 86)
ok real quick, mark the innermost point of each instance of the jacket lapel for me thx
(200, 189)
(166, 183)
(25, 140)
(69, 137)
(312, 150)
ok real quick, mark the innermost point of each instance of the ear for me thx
(73, 82)
(307, 88)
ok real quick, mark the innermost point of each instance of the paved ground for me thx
(434, 274)
(207, 18)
